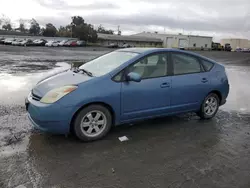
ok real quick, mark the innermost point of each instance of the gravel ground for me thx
(179, 151)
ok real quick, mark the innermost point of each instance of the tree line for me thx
(78, 28)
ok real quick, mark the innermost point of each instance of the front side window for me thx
(151, 66)
(185, 64)
(118, 77)
(108, 62)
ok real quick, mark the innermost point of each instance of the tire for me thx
(208, 109)
(86, 124)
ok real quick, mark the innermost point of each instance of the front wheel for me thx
(92, 123)
(209, 106)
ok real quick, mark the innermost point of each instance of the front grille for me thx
(35, 97)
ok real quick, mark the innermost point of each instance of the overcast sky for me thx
(217, 18)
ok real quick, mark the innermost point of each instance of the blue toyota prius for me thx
(127, 85)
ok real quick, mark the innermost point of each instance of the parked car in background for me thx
(2, 40)
(71, 43)
(55, 43)
(126, 45)
(81, 43)
(113, 45)
(124, 86)
(49, 43)
(67, 43)
(26, 42)
(16, 42)
(39, 42)
(63, 42)
(238, 49)
(9, 41)
(245, 50)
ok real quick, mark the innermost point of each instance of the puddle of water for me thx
(238, 98)
(16, 87)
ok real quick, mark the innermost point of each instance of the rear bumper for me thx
(223, 102)
(224, 92)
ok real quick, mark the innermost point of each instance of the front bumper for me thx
(51, 118)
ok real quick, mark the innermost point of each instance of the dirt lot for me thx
(179, 151)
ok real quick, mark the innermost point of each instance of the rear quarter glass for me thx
(207, 64)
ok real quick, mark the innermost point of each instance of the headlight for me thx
(56, 94)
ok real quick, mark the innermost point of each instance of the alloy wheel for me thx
(93, 123)
(211, 106)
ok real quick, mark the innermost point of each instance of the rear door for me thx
(190, 83)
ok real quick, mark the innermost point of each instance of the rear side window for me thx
(207, 65)
(185, 64)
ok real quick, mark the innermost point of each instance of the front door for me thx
(190, 83)
(151, 96)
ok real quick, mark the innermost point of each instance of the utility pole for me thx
(71, 28)
(118, 30)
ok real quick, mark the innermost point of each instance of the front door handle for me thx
(165, 84)
(204, 80)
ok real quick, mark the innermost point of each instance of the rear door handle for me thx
(204, 80)
(165, 84)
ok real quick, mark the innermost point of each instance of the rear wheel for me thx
(209, 106)
(92, 123)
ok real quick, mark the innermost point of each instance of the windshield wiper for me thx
(77, 69)
(86, 72)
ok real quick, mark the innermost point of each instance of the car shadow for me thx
(56, 157)
(153, 129)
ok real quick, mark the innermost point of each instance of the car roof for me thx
(146, 51)
(150, 50)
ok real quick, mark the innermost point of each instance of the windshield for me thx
(106, 63)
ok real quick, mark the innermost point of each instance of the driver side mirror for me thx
(133, 76)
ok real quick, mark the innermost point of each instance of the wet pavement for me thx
(179, 151)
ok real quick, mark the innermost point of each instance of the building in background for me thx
(236, 43)
(191, 42)
(134, 41)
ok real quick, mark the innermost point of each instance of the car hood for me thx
(58, 80)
